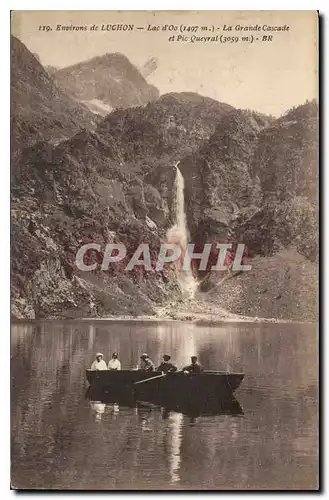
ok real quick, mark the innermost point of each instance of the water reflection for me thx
(175, 441)
(146, 413)
(98, 409)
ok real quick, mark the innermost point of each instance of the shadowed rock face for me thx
(73, 194)
(39, 110)
(219, 182)
(255, 181)
(247, 177)
(110, 79)
(285, 162)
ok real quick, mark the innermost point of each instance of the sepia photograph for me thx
(164, 246)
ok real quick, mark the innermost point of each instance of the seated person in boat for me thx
(114, 363)
(147, 364)
(165, 366)
(99, 363)
(194, 367)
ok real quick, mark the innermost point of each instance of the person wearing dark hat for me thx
(194, 367)
(114, 363)
(99, 363)
(165, 366)
(147, 364)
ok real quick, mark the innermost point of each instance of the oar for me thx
(150, 378)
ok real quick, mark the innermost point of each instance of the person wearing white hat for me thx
(114, 363)
(99, 363)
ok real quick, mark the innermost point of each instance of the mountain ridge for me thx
(114, 183)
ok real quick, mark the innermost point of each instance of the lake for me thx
(62, 439)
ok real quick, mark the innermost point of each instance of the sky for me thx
(269, 77)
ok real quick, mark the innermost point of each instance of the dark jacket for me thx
(196, 368)
(166, 367)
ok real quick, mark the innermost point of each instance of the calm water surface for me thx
(62, 440)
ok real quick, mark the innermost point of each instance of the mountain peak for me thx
(109, 81)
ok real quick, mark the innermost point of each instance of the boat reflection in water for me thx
(98, 408)
(198, 408)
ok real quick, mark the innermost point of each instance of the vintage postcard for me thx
(164, 250)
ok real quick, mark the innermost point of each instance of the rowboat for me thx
(192, 386)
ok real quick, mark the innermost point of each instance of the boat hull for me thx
(203, 386)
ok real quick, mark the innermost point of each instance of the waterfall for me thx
(180, 205)
(179, 234)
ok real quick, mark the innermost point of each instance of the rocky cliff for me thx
(285, 162)
(63, 197)
(220, 186)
